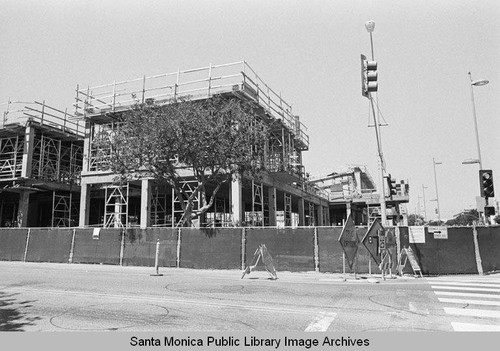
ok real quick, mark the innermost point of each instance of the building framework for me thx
(281, 197)
(41, 156)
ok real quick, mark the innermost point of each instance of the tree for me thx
(209, 141)
(415, 219)
(464, 218)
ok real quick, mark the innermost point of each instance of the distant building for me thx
(351, 190)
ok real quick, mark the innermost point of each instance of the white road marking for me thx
(472, 327)
(321, 323)
(453, 293)
(470, 302)
(484, 285)
(447, 287)
(472, 312)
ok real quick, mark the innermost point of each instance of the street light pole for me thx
(423, 192)
(370, 26)
(472, 84)
(477, 83)
(437, 194)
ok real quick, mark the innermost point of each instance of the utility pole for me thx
(370, 85)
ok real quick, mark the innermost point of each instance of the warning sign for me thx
(263, 253)
(371, 240)
(349, 240)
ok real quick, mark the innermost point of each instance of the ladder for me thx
(408, 255)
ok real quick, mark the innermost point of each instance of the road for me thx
(72, 297)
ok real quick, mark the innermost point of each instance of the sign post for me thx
(349, 241)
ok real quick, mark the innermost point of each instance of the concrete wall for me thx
(299, 249)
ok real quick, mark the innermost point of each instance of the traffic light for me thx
(368, 76)
(391, 183)
(486, 182)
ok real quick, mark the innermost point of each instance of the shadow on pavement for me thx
(13, 313)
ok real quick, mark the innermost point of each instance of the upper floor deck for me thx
(238, 78)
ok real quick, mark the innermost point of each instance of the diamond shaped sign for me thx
(349, 240)
(371, 240)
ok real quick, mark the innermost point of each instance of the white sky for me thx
(308, 50)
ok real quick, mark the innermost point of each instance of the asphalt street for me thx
(74, 297)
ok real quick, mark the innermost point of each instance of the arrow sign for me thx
(371, 238)
(349, 240)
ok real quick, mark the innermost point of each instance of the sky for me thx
(307, 50)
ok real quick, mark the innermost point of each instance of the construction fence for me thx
(464, 250)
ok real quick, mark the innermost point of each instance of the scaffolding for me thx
(64, 210)
(288, 209)
(177, 211)
(160, 216)
(11, 157)
(56, 160)
(116, 206)
(257, 214)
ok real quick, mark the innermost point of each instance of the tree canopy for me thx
(465, 218)
(208, 141)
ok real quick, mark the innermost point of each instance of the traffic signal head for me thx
(368, 76)
(486, 182)
(391, 184)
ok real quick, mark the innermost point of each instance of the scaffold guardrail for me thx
(20, 113)
(196, 83)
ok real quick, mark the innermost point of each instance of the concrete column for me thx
(271, 193)
(327, 216)
(236, 200)
(302, 216)
(86, 148)
(29, 141)
(22, 211)
(145, 203)
(320, 219)
(84, 205)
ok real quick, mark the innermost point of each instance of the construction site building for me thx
(351, 190)
(282, 197)
(41, 155)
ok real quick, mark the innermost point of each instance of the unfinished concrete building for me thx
(351, 190)
(41, 155)
(282, 198)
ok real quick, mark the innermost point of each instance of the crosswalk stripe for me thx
(473, 327)
(447, 287)
(472, 312)
(463, 280)
(321, 322)
(484, 285)
(470, 302)
(463, 294)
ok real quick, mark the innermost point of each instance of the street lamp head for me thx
(370, 26)
(470, 161)
(480, 82)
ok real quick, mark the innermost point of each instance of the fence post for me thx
(72, 249)
(122, 247)
(178, 260)
(479, 262)
(316, 250)
(27, 243)
(243, 247)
